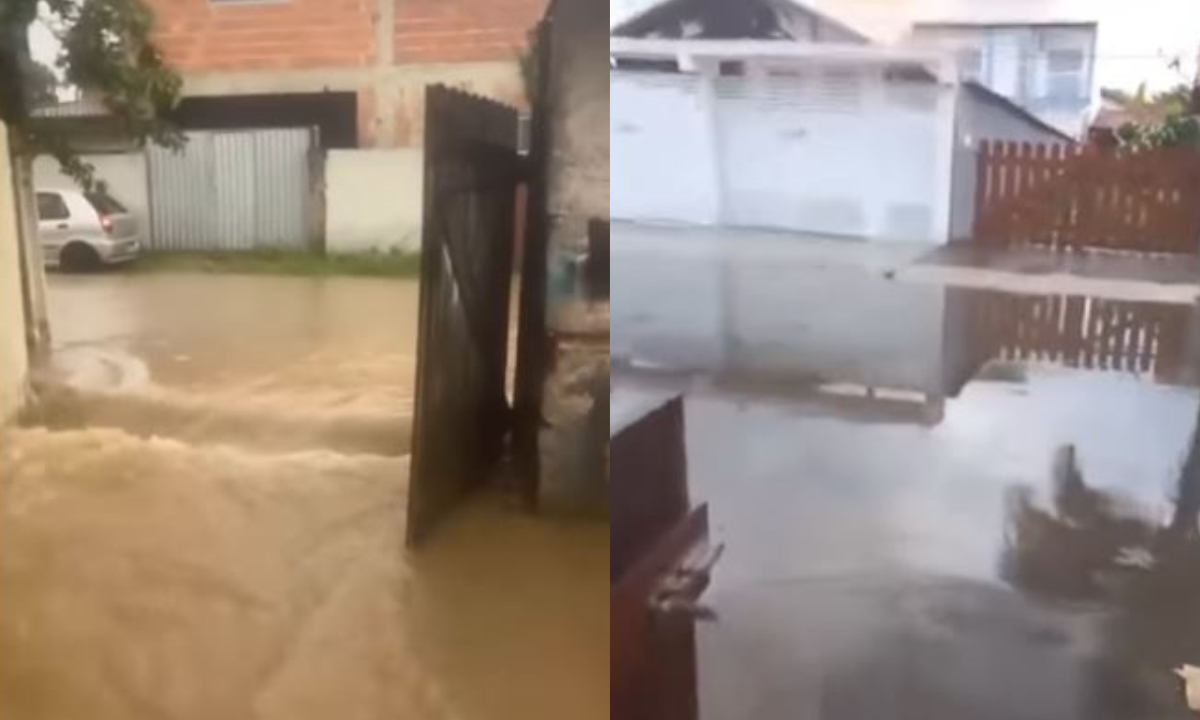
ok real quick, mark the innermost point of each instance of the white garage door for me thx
(828, 150)
(660, 160)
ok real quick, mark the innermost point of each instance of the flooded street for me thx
(936, 502)
(265, 362)
(205, 519)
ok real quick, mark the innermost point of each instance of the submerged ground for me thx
(204, 518)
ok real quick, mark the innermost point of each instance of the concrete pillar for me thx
(37, 316)
(386, 95)
(14, 354)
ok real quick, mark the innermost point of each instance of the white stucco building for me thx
(814, 130)
(1046, 68)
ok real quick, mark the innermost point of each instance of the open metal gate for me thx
(462, 417)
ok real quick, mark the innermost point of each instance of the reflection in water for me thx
(765, 325)
(1144, 338)
(858, 442)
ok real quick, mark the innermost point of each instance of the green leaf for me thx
(106, 51)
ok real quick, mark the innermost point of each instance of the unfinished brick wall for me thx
(206, 36)
(203, 35)
(464, 30)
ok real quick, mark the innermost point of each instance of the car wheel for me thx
(80, 257)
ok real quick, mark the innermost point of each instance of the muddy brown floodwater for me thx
(205, 520)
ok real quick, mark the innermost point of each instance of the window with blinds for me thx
(1065, 74)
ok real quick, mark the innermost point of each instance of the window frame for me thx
(62, 202)
(1058, 78)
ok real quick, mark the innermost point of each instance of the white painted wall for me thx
(373, 200)
(962, 191)
(661, 148)
(125, 174)
(791, 145)
(14, 358)
(806, 153)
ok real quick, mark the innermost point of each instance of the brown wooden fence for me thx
(1084, 197)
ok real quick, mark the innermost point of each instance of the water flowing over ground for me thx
(204, 518)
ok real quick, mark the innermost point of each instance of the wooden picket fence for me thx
(1084, 197)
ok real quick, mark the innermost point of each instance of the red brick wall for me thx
(463, 30)
(200, 36)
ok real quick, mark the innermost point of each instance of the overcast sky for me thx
(1137, 38)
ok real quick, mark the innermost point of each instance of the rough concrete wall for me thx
(124, 173)
(579, 112)
(574, 441)
(373, 200)
(14, 360)
(202, 36)
(391, 101)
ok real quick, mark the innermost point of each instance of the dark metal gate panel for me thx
(461, 415)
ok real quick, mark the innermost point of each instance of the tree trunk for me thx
(33, 277)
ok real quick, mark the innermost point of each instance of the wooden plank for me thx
(640, 687)
(983, 199)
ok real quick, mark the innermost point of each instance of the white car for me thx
(85, 231)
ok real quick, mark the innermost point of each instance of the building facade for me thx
(355, 69)
(826, 119)
(1048, 69)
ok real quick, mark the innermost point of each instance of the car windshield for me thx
(104, 204)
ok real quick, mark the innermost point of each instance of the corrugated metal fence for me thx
(238, 190)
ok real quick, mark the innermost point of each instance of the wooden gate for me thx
(1075, 198)
(472, 170)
